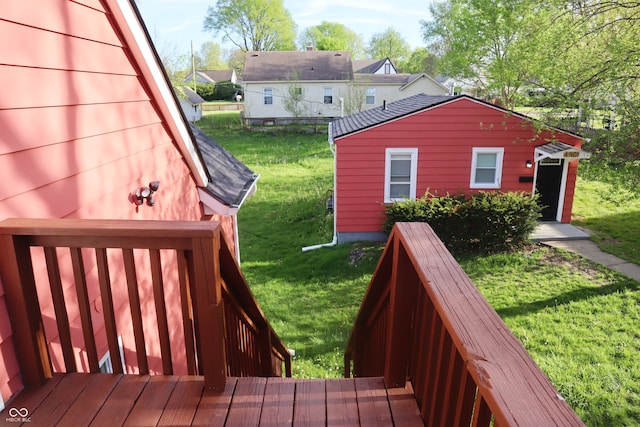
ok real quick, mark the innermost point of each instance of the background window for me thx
(370, 96)
(268, 96)
(400, 174)
(486, 167)
(328, 95)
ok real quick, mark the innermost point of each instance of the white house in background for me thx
(374, 66)
(191, 104)
(326, 85)
(213, 76)
(459, 86)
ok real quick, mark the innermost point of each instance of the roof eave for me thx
(139, 44)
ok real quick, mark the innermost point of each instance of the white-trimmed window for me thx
(370, 96)
(267, 94)
(486, 167)
(327, 95)
(400, 173)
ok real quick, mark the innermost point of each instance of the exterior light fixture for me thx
(145, 193)
(529, 164)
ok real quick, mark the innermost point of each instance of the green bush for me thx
(206, 91)
(485, 221)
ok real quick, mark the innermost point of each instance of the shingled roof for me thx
(393, 110)
(230, 179)
(301, 66)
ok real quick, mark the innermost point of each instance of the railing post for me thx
(24, 312)
(207, 288)
(264, 338)
(402, 298)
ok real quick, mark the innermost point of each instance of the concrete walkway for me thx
(576, 240)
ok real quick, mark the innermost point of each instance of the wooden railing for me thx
(224, 330)
(423, 320)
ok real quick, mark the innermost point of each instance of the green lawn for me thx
(607, 202)
(579, 321)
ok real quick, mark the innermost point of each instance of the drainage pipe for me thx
(335, 199)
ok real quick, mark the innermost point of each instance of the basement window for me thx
(328, 95)
(106, 365)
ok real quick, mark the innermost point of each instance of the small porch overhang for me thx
(559, 150)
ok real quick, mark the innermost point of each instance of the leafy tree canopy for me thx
(389, 44)
(420, 61)
(332, 36)
(210, 57)
(485, 40)
(252, 25)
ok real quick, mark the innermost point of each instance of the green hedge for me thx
(485, 221)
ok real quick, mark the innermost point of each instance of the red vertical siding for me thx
(78, 133)
(445, 137)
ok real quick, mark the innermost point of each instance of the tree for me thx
(420, 61)
(590, 63)
(354, 97)
(490, 42)
(294, 101)
(332, 36)
(389, 44)
(210, 57)
(256, 25)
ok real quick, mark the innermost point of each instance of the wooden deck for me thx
(141, 400)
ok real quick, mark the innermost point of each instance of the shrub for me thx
(485, 221)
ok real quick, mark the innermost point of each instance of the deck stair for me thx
(426, 347)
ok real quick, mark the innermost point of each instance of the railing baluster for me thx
(464, 407)
(60, 308)
(108, 310)
(85, 309)
(136, 312)
(481, 412)
(187, 313)
(452, 392)
(161, 311)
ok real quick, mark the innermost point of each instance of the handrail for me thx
(422, 319)
(117, 268)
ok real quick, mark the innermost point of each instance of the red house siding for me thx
(80, 129)
(444, 136)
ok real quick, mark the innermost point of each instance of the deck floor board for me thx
(143, 400)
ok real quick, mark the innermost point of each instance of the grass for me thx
(579, 321)
(310, 298)
(607, 202)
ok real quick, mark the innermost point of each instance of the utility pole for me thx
(193, 69)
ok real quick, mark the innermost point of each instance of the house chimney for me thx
(384, 105)
(309, 47)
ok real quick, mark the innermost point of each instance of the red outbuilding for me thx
(442, 144)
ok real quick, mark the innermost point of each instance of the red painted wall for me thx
(78, 133)
(444, 136)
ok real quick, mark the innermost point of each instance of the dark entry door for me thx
(548, 185)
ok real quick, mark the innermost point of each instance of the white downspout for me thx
(335, 199)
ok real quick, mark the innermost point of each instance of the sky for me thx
(175, 24)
